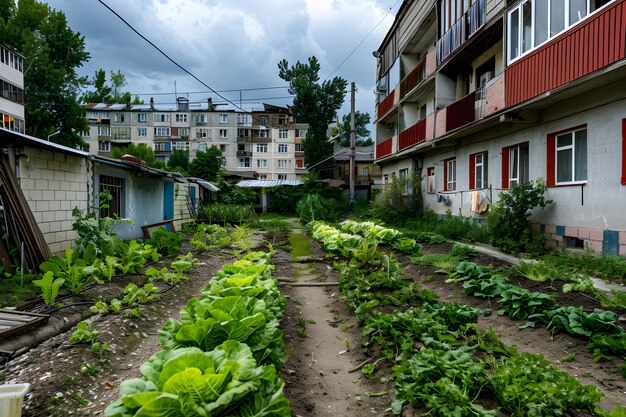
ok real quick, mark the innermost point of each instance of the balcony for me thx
(244, 154)
(384, 148)
(413, 135)
(298, 154)
(386, 105)
(462, 30)
(258, 139)
(424, 69)
(594, 43)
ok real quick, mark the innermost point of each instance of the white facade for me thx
(11, 90)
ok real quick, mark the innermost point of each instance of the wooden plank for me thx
(14, 322)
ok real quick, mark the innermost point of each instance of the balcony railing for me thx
(461, 112)
(462, 30)
(594, 43)
(413, 78)
(385, 105)
(413, 135)
(244, 154)
(384, 148)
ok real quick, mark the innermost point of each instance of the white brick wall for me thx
(53, 184)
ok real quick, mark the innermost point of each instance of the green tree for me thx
(362, 133)
(103, 93)
(52, 53)
(315, 104)
(141, 151)
(179, 161)
(207, 164)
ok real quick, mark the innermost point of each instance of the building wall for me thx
(53, 184)
(181, 208)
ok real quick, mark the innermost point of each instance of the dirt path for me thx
(323, 343)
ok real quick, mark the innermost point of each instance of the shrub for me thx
(315, 207)
(165, 242)
(508, 218)
(229, 213)
(463, 251)
(400, 201)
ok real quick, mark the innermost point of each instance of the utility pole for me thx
(352, 145)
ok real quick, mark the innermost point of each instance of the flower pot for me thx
(11, 399)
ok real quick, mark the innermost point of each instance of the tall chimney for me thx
(152, 103)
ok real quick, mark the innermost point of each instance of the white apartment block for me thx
(11, 90)
(260, 140)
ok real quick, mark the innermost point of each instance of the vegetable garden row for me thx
(441, 361)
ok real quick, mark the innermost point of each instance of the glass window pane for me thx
(513, 158)
(557, 16)
(514, 34)
(527, 10)
(577, 10)
(580, 155)
(479, 177)
(564, 165)
(524, 164)
(564, 140)
(541, 22)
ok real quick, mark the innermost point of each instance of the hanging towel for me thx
(474, 201)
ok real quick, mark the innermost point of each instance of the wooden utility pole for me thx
(352, 145)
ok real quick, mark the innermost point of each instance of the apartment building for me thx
(261, 140)
(11, 90)
(480, 95)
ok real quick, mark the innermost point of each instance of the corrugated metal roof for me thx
(9, 136)
(268, 183)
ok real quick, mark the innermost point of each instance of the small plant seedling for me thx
(99, 349)
(346, 343)
(84, 333)
(76, 396)
(570, 357)
(133, 313)
(369, 370)
(89, 369)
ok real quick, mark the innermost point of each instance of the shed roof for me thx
(267, 183)
(20, 139)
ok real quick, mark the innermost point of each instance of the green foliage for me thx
(539, 271)
(184, 263)
(165, 275)
(508, 218)
(179, 161)
(84, 333)
(206, 164)
(610, 268)
(242, 239)
(575, 321)
(521, 304)
(607, 347)
(463, 251)
(103, 93)
(277, 230)
(284, 198)
(49, 287)
(443, 261)
(99, 351)
(431, 225)
(229, 213)
(74, 272)
(527, 385)
(315, 207)
(135, 295)
(210, 236)
(407, 246)
(315, 104)
(401, 200)
(165, 242)
(488, 287)
(139, 150)
(362, 133)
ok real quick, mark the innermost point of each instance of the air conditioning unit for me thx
(485, 78)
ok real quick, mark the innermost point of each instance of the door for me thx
(168, 200)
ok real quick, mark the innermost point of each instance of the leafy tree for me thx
(179, 161)
(104, 93)
(315, 104)
(52, 53)
(141, 151)
(206, 164)
(362, 133)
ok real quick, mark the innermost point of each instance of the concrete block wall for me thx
(53, 184)
(598, 240)
(181, 210)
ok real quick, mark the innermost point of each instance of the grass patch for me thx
(299, 245)
(443, 261)
(12, 293)
(610, 268)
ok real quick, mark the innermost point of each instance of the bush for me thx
(229, 213)
(508, 218)
(165, 242)
(401, 200)
(315, 207)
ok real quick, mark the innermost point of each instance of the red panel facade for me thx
(413, 135)
(551, 160)
(461, 112)
(385, 105)
(384, 148)
(595, 43)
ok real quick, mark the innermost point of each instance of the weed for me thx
(299, 245)
(369, 371)
(622, 369)
(52, 411)
(346, 326)
(242, 239)
(89, 369)
(570, 357)
(346, 343)
(76, 396)
(445, 262)
(69, 380)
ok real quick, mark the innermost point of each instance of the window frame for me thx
(282, 163)
(449, 171)
(431, 185)
(261, 147)
(283, 148)
(223, 133)
(552, 156)
(222, 118)
(116, 187)
(261, 163)
(479, 170)
(283, 133)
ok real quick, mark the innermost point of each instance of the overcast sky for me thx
(231, 44)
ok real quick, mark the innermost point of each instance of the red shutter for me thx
(551, 161)
(505, 167)
(472, 171)
(623, 151)
(445, 175)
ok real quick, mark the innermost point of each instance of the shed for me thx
(263, 185)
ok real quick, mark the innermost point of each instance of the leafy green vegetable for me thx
(486, 287)
(84, 333)
(463, 251)
(49, 287)
(575, 320)
(521, 304)
(165, 242)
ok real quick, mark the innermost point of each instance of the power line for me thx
(219, 91)
(362, 40)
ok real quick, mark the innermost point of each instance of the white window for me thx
(202, 133)
(282, 176)
(450, 182)
(161, 117)
(282, 148)
(283, 163)
(261, 163)
(283, 133)
(181, 117)
(182, 146)
(300, 133)
(183, 131)
(243, 118)
(162, 146)
(366, 171)
(533, 22)
(518, 164)
(480, 170)
(262, 120)
(224, 133)
(201, 119)
(243, 162)
(202, 147)
(141, 117)
(84, 133)
(430, 180)
(262, 133)
(261, 147)
(222, 118)
(142, 132)
(161, 131)
(104, 130)
(299, 147)
(104, 146)
(571, 156)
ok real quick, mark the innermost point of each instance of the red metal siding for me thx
(461, 112)
(383, 148)
(413, 135)
(385, 105)
(413, 78)
(595, 43)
